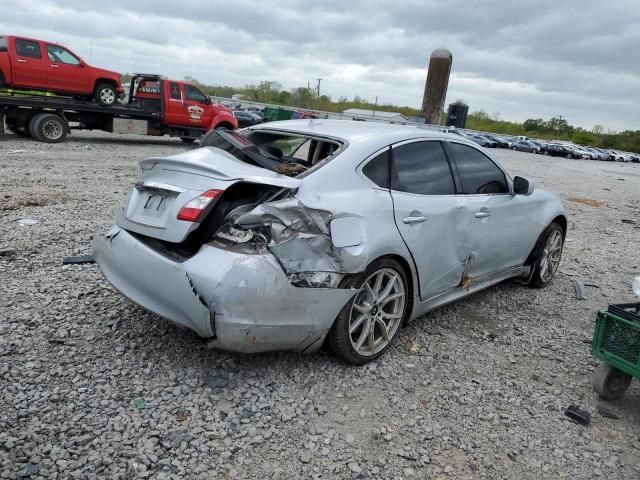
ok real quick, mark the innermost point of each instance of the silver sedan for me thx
(290, 235)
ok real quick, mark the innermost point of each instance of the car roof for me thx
(352, 132)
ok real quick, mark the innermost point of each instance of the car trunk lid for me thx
(168, 183)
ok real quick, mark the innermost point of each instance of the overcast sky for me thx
(576, 58)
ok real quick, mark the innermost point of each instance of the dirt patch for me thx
(587, 201)
(16, 202)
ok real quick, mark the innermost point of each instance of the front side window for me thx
(478, 173)
(28, 48)
(422, 168)
(61, 55)
(193, 93)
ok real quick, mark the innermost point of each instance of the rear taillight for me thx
(193, 209)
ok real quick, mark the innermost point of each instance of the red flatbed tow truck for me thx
(154, 106)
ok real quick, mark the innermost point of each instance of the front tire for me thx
(547, 256)
(368, 324)
(105, 95)
(514, 148)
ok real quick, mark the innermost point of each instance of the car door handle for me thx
(21, 60)
(482, 214)
(53, 66)
(410, 220)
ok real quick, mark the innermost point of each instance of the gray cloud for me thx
(521, 59)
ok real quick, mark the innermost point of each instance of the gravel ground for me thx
(94, 387)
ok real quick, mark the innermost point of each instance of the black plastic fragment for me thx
(607, 412)
(80, 260)
(578, 415)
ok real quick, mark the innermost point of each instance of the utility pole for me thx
(319, 80)
(375, 105)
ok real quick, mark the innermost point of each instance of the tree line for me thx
(555, 128)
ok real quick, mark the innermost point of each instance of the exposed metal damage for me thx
(314, 247)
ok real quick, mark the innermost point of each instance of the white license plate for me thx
(155, 204)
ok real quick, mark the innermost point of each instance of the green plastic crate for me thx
(616, 339)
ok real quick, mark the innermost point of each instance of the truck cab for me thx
(184, 106)
(28, 63)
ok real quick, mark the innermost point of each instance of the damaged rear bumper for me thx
(245, 303)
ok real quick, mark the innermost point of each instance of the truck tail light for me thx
(192, 210)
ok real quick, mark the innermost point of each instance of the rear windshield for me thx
(294, 155)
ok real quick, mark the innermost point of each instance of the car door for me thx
(432, 220)
(197, 111)
(500, 233)
(29, 66)
(65, 71)
(174, 109)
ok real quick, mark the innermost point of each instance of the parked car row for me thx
(553, 148)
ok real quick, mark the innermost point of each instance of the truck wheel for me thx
(106, 95)
(1, 80)
(31, 129)
(49, 128)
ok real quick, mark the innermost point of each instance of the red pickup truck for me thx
(40, 65)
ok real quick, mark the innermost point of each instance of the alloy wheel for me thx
(376, 312)
(106, 96)
(551, 255)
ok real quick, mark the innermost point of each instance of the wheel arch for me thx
(560, 220)
(410, 274)
(103, 80)
(223, 124)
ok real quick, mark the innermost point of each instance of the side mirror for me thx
(523, 186)
(207, 101)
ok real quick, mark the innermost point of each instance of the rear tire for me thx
(547, 256)
(609, 382)
(105, 94)
(353, 334)
(32, 131)
(49, 128)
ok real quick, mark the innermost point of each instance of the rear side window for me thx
(422, 168)
(28, 48)
(377, 170)
(478, 173)
(174, 91)
(3, 44)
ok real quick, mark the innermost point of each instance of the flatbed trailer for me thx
(50, 118)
